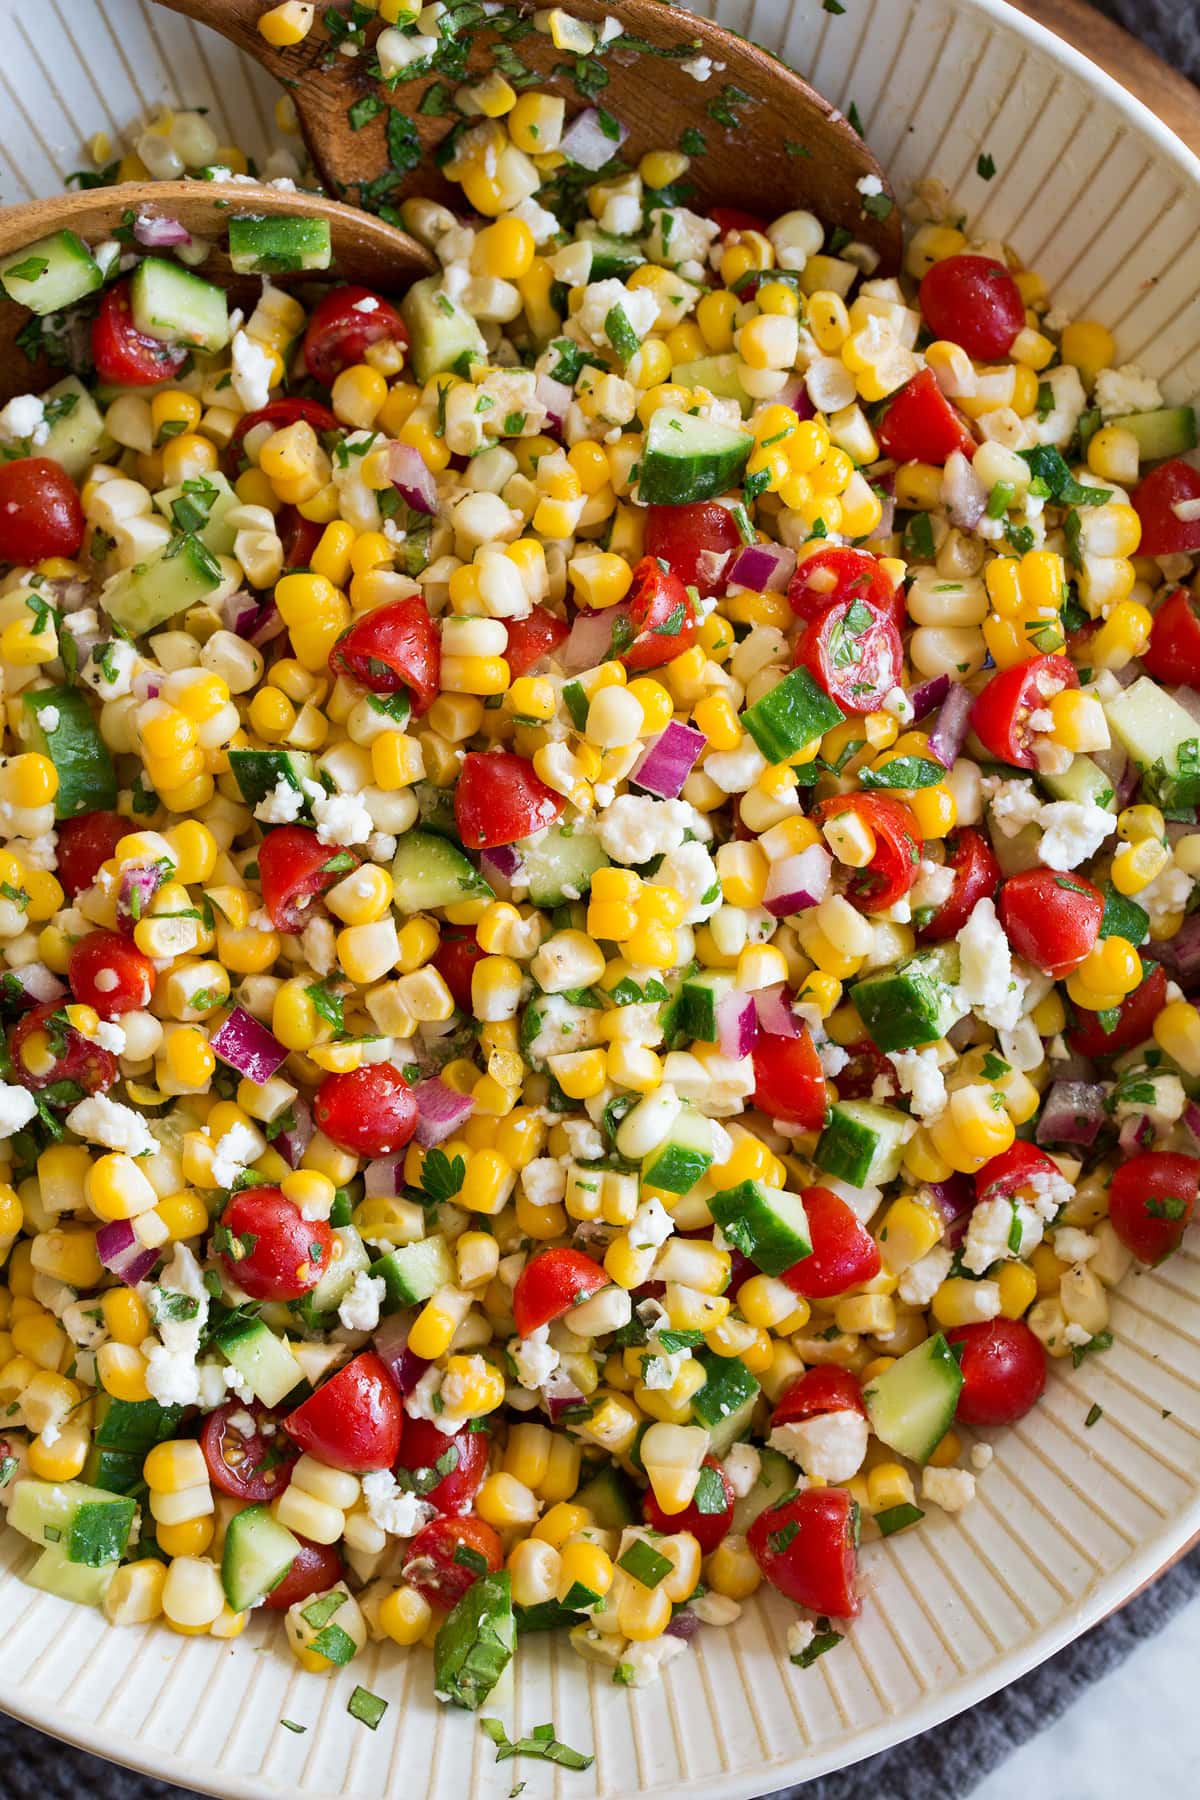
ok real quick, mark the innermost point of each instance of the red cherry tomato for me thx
(456, 957)
(247, 1464)
(805, 1547)
(532, 638)
(695, 541)
(1052, 920)
(443, 1560)
(84, 843)
(340, 328)
(109, 973)
(843, 1251)
(552, 1283)
(661, 614)
(1003, 1368)
(897, 859)
(125, 356)
(395, 646)
(1150, 1202)
(920, 425)
(371, 1111)
(824, 1389)
(40, 511)
(867, 1065)
(313, 1570)
(464, 1457)
(789, 1082)
(355, 1421)
(500, 797)
(1000, 715)
(1173, 653)
(1164, 533)
(270, 1250)
(1135, 1019)
(854, 652)
(707, 1527)
(973, 301)
(280, 413)
(1003, 1176)
(736, 218)
(837, 573)
(299, 537)
(87, 1066)
(293, 867)
(976, 874)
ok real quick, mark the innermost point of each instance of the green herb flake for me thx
(645, 1563)
(1095, 1414)
(898, 1518)
(824, 1640)
(985, 167)
(366, 1707)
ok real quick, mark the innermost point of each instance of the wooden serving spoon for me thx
(771, 143)
(365, 250)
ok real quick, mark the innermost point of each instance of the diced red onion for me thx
(955, 1201)
(737, 1024)
(797, 882)
(383, 1178)
(963, 494)
(391, 1346)
(586, 143)
(139, 884)
(683, 1625)
(928, 694)
(953, 722)
(666, 764)
(504, 859)
(1191, 1119)
(561, 1402)
(1136, 1133)
(247, 1046)
(38, 984)
(1072, 1114)
(555, 396)
(794, 394)
(120, 1251)
(763, 567)
(591, 638)
(1180, 955)
(159, 232)
(412, 479)
(294, 1140)
(268, 626)
(440, 1111)
(887, 519)
(775, 1015)
(146, 684)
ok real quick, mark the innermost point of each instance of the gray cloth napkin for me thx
(1172, 27)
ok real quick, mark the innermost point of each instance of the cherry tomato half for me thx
(708, 1518)
(1134, 1022)
(973, 301)
(1173, 653)
(40, 511)
(695, 541)
(897, 859)
(110, 974)
(837, 573)
(867, 1066)
(499, 798)
(1151, 1201)
(789, 1082)
(269, 1249)
(293, 867)
(45, 1031)
(448, 1556)
(823, 1389)
(805, 1547)
(253, 1465)
(1003, 1176)
(298, 536)
(280, 413)
(314, 1569)
(853, 651)
(551, 1284)
(920, 425)
(461, 1461)
(843, 1251)
(1164, 533)
(661, 614)
(456, 957)
(355, 1421)
(1000, 715)
(976, 874)
(342, 325)
(84, 843)
(393, 647)
(1003, 1368)
(124, 355)
(371, 1111)
(1051, 920)
(532, 638)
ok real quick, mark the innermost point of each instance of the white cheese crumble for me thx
(743, 1465)
(831, 1445)
(251, 372)
(534, 1358)
(921, 1280)
(651, 1226)
(987, 983)
(281, 805)
(951, 1489)
(391, 1507)
(17, 1107)
(359, 1309)
(342, 819)
(233, 1153)
(635, 828)
(1073, 832)
(922, 1080)
(24, 417)
(117, 1127)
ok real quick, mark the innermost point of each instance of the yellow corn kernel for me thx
(1090, 346)
(287, 24)
(1018, 1289)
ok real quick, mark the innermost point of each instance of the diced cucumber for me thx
(259, 772)
(1167, 431)
(439, 331)
(610, 1498)
(140, 598)
(279, 246)
(176, 307)
(766, 1224)
(83, 1585)
(559, 864)
(699, 998)
(685, 459)
(200, 505)
(86, 1524)
(1082, 781)
(116, 1471)
(1162, 738)
(1016, 854)
(59, 722)
(430, 871)
(54, 272)
(790, 715)
(776, 1477)
(1123, 917)
(863, 1143)
(719, 374)
(338, 1278)
(414, 1271)
(258, 1554)
(435, 805)
(134, 1426)
(550, 1025)
(726, 1401)
(611, 255)
(263, 1360)
(77, 435)
(684, 1154)
(911, 1405)
(915, 1003)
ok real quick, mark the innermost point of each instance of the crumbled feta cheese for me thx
(831, 1444)
(921, 1078)
(921, 1280)
(987, 983)
(318, 941)
(951, 1489)
(635, 827)
(1168, 893)
(107, 1122)
(1074, 1246)
(24, 417)
(933, 886)
(897, 702)
(17, 1107)
(391, 1507)
(1013, 804)
(281, 805)
(83, 1323)
(233, 1153)
(1126, 390)
(743, 1465)
(359, 1310)
(48, 718)
(651, 1226)
(251, 373)
(833, 1059)
(1076, 1335)
(1073, 831)
(991, 1231)
(690, 870)
(699, 67)
(1047, 1191)
(109, 669)
(734, 771)
(171, 1373)
(639, 305)
(534, 1357)
(342, 819)
(419, 1403)
(544, 1181)
(982, 1456)
(869, 184)
(642, 1661)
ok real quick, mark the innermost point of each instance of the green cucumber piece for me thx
(699, 998)
(1167, 431)
(200, 505)
(259, 772)
(429, 871)
(686, 459)
(719, 374)
(83, 1585)
(54, 272)
(439, 331)
(116, 1471)
(766, 1224)
(863, 1143)
(279, 246)
(726, 1401)
(684, 1155)
(171, 304)
(414, 1272)
(1162, 738)
(915, 1003)
(776, 1478)
(911, 1405)
(611, 255)
(611, 1499)
(263, 1360)
(558, 864)
(59, 722)
(87, 1524)
(77, 434)
(140, 598)
(258, 1554)
(476, 1643)
(790, 715)
(1084, 782)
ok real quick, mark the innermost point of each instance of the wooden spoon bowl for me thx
(772, 143)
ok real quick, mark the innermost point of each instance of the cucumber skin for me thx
(87, 780)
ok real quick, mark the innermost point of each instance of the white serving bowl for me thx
(1068, 1521)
